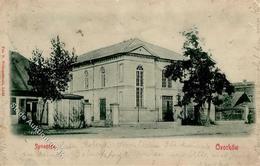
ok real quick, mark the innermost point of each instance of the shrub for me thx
(203, 120)
(59, 120)
(251, 117)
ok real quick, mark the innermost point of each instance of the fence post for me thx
(246, 111)
(115, 113)
(52, 107)
(178, 115)
(87, 113)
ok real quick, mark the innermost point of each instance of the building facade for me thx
(130, 74)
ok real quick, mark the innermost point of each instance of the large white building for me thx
(129, 74)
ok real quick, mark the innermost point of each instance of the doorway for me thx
(31, 110)
(102, 108)
(28, 107)
(167, 108)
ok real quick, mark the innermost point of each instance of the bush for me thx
(251, 117)
(59, 120)
(21, 129)
(202, 121)
(188, 121)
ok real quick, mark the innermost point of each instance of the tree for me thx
(201, 79)
(49, 77)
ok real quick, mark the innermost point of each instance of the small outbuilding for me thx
(236, 109)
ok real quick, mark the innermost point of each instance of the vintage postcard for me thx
(120, 82)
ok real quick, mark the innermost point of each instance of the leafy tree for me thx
(223, 101)
(49, 77)
(201, 79)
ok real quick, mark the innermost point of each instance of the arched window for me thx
(139, 86)
(121, 72)
(163, 79)
(166, 82)
(86, 79)
(103, 76)
(169, 82)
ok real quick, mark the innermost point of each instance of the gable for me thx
(239, 98)
(19, 75)
(141, 50)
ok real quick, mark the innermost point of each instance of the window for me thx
(103, 77)
(120, 99)
(166, 82)
(71, 83)
(169, 82)
(13, 106)
(121, 72)
(86, 79)
(139, 86)
(163, 79)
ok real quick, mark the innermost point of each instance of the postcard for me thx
(120, 82)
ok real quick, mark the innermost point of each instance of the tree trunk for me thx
(197, 113)
(43, 108)
(185, 112)
(209, 107)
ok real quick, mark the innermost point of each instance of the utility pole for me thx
(138, 113)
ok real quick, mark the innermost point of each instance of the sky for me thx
(227, 27)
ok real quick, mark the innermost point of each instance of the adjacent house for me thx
(129, 75)
(64, 113)
(247, 87)
(22, 98)
(240, 105)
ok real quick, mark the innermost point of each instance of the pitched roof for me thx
(71, 96)
(19, 75)
(239, 97)
(129, 46)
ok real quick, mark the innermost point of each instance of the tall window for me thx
(71, 83)
(166, 82)
(103, 77)
(139, 86)
(121, 72)
(169, 82)
(121, 99)
(86, 79)
(163, 79)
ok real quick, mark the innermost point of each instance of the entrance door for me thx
(34, 111)
(22, 109)
(102, 108)
(167, 110)
(31, 109)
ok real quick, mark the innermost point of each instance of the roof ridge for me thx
(94, 50)
(132, 39)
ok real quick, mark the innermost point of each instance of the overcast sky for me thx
(227, 27)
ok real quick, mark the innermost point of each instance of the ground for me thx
(222, 129)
